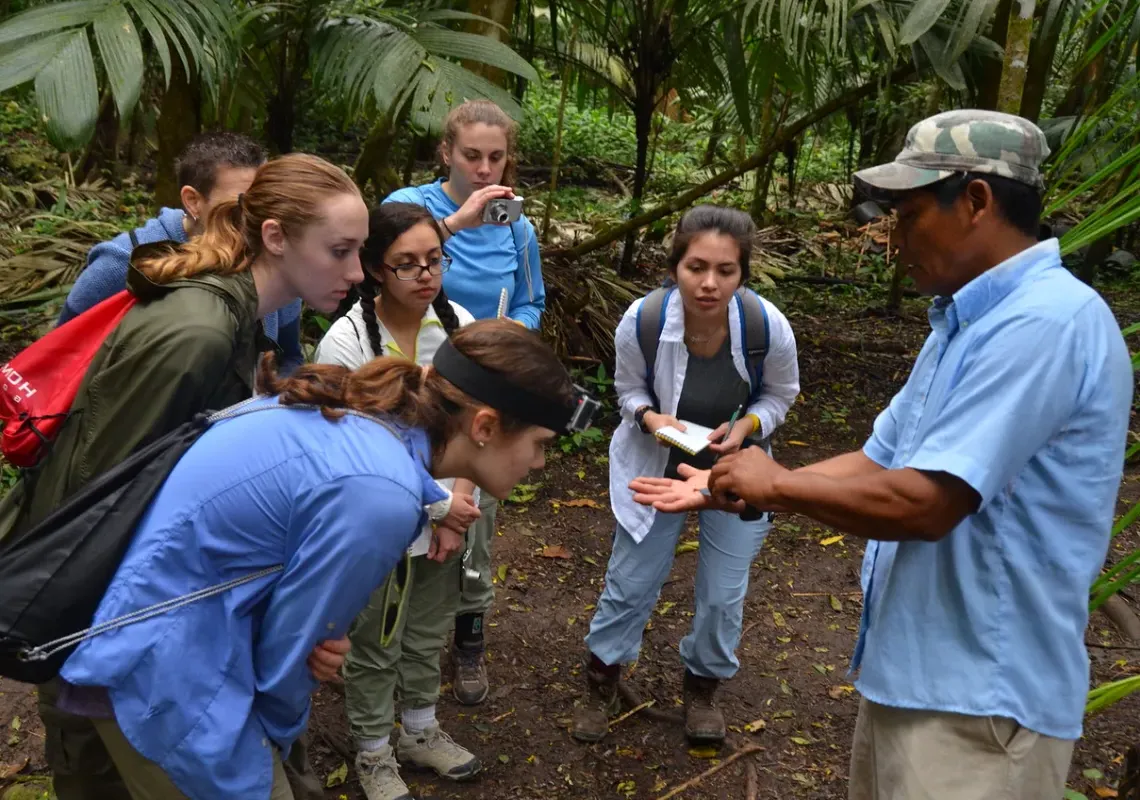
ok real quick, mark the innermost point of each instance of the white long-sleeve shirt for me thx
(346, 343)
(635, 454)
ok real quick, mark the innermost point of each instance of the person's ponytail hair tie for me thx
(419, 397)
(291, 189)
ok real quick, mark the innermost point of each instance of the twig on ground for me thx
(503, 716)
(1112, 646)
(331, 741)
(632, 699)
(631, 712)
(752, 780)
(752, 748)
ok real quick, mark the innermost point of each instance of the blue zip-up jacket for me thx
(209, 690)
(486, 260)
(106, 275)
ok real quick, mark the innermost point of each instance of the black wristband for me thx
(639, 417)
(443, 222)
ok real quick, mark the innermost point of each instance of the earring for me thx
(481, 444)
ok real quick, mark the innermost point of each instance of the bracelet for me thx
(443, 222)
(755, 422)
(639, 417)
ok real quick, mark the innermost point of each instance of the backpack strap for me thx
(650, 323)
(754, 337)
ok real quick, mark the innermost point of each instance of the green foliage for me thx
(51, 45)
(581, 440)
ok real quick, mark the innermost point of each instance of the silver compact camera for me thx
(503, 210)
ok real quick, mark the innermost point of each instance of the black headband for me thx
(493, 388)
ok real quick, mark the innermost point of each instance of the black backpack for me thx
(54, 575)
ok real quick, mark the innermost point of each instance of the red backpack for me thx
(38, 386)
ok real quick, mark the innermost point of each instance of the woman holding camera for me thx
(494, 251)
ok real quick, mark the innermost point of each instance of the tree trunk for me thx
(643, 124)
(372, 163)
(774, 145)
(760, 192)
(1041, 53)
(1017, 40)
(281, 114)
(410, 161)
(179, 121)
(557, 158)
(102, 150)
(989, 79)
(498, 11)
(1076, 99)
(715, 135)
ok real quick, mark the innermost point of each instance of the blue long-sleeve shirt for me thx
(106, 275)
(486, 260)
(208, 690)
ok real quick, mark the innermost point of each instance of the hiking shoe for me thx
(598, 704)
(704, 722)
(433, 749)
(380, 775)
(470, 683)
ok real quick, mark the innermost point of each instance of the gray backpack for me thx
(753, 333)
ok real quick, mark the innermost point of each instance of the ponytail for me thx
(220, 249)
(291, 190)
(420, 397)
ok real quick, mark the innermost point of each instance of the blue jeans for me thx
(636, 573)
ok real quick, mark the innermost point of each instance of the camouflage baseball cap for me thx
(968, 140)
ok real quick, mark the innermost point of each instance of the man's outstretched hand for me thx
(672, 495)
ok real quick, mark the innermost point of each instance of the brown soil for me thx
(801, 616)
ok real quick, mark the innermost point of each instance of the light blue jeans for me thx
(637, 572)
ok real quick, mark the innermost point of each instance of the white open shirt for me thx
(346, 343)
(634, 454)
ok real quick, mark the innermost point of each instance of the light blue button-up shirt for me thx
(1022, 390)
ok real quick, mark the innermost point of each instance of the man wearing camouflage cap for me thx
(986, 490)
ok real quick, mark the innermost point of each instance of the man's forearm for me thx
(886, 504)
(848, 465)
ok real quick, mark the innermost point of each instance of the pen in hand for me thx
(749, 514)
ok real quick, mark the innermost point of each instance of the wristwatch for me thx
(639, 417)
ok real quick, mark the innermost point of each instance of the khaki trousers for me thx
(145, 780)
(903, 754)
(82, 768)
(409, 666)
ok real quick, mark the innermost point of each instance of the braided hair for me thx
(387, 223)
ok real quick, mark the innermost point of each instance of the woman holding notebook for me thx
(702, 365)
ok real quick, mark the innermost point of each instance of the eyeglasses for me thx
(412, 272)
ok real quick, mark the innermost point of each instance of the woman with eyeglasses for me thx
(403, 311)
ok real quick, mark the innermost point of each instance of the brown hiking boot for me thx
(593, 711)
(704, 722)
(470, 684)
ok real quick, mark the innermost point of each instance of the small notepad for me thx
(692, 440)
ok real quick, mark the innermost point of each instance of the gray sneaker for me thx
(433, 749)
(380, 775)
